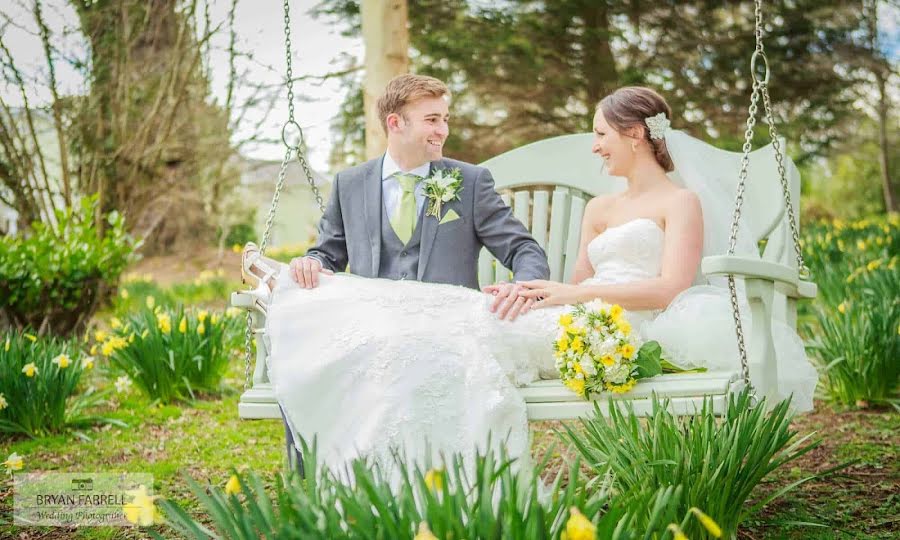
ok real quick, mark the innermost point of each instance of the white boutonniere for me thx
(440, 187)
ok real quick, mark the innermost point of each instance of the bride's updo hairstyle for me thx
(628, 108)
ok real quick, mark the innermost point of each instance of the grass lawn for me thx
(205, 440)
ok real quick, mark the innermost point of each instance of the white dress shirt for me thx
(390, 187)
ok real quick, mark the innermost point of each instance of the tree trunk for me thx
(601, 76)
(386, 38)
(881, 70)
(890, 199)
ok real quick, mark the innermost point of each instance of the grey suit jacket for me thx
(350, 229)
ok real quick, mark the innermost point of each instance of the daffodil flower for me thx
(201, 328)
(233, 486)
(708, 523)
(579, 527)
(182, 326)
(14, 463)
(87, 362)
(164, 322)
(30, 369)
(424, 533)
(6, 345)
(122, 384)
(434, 479)
(142, 510)
(62, 361)
(677, 533)
(3, 403)
(30, 337)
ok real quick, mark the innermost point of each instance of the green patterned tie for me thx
(404, 219)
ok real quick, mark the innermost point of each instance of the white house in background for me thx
(9, 220)
(49, 144)
(297, 214)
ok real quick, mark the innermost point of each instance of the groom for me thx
(377, 221)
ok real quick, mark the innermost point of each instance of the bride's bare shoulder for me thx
(601, 203)
(683, 202)
(597, 208)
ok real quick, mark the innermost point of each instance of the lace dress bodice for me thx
(631, 251)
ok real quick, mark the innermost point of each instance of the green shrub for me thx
(855, 321)
(241, 233)
(56, 278)
(857, 345)
(717, 462)
(171, 353)
(493, 502)
(39, 378)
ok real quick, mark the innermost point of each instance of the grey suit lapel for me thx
(429, 227)
(372, 201)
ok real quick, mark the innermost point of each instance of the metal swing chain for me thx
(760, 87)
(279, 186)
(802, 269)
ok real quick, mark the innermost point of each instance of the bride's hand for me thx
(550, 293)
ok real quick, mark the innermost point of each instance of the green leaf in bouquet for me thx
(648, 360)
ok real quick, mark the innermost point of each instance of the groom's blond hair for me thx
(405, 89)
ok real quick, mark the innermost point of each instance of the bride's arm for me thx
(593, 209)
(682, 250)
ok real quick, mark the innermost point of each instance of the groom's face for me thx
(421, 130)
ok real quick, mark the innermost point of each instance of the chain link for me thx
(297, 147)
(760, 88)
(782, 174)
(732, 242)
(248, 346)
(739, 197)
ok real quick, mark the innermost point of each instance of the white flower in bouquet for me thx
(618, 373)
(596, 351)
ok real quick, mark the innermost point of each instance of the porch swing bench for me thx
(547, 184)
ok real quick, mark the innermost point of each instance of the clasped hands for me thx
(514, 299)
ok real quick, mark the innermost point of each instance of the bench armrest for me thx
(247, 300)
(786, 279)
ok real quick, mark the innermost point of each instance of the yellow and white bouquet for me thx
(596, 349)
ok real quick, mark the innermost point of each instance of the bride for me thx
(369, 366)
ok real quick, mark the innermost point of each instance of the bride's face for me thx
(614, 147)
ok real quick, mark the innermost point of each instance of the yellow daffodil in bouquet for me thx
(596, 349)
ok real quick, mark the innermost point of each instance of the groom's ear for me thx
(393, 122)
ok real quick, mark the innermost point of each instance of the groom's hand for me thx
(508, 304)
(305, 271)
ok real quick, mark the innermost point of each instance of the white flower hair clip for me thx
(658, 125)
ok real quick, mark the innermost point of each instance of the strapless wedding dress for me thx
(367, 366)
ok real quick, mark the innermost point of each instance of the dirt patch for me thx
(862, 500)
